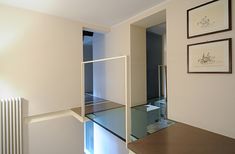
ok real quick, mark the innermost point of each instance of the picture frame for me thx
(210, 57)
(209, 18)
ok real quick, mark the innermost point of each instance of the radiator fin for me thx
(11, 141)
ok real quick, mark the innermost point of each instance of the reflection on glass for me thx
(145, 119)
(149, 118)
(112, 120)
(89, 137)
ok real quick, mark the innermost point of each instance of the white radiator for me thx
(11, 141)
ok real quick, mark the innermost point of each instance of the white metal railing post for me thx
(127, 104)
(82, 91)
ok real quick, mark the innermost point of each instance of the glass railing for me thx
(145, 119)
(126, 123)
(149, 118)
(112, 120)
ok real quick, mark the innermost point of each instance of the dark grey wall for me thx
(154, 58)
(88, 55)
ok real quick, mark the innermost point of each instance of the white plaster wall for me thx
(118, 44)
(57, 136)
(99, 71)
(108, 75)
(40, 59)
(46, 67)
(202, 100)
(138, 66)
(107, 143)
(109, 84)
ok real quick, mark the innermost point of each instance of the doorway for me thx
(156, 61)
(156, 67)
(149, 75)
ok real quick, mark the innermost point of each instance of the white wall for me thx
(108, 75)
(201, 100)
(117, 44)
(40, 59)
(108, 84)
(57, 136)
(138, 66)
(107, 143)
(99, 77)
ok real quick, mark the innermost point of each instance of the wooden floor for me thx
(107, 105)
(183, 139)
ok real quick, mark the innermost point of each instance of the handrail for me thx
(52, 115)
(104, 59)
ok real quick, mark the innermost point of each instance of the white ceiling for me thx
(100, 12)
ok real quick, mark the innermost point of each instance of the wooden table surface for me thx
(183, 139)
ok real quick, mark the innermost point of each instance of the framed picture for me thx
(210, 57)
(209, 18)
